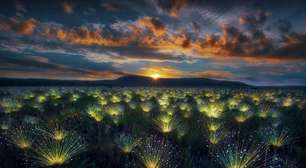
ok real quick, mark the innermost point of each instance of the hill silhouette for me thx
(125, 81)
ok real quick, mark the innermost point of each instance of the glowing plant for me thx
(50, 152)
(154, 152)
(57, 132)
(10, 105)
(241, 155)
(264, 111)
(126, 142)
(115, 109)
(276, 137)
(213, 125)
(242, 117)
(287, 102)
(21, 136)
(30, 119)
(132, 105)
(166, 123)
(116, 98)
(215, 137)
(146, 106)
(212, 110)
(185, 109)
(95, 111)
(244, 107)
(232, 103)
(41, 99)
(74, 97)
(5, 124)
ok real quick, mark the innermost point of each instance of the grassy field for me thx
(152, 128)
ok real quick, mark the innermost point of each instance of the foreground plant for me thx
(154, 152)
(50, 152)
(242, 155)
(275, 137)
(21, 136)
(126, 142)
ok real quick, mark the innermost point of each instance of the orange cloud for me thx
(67, 7)
(162, 72)
(214, 74)
(170, 72)
(21, 27)
(84, 36)
(27, 27)
(153, 25)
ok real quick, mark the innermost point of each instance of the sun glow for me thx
(155, 76)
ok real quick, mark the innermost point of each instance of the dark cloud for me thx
(172, 7)
(39, 67)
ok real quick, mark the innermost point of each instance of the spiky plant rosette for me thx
(21, 136)
(126, 142)
(243, 153)
(276, 137)
(50, 152)
(155, 152)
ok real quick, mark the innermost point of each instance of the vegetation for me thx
(152, 128)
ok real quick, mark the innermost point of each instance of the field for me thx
(89, 127)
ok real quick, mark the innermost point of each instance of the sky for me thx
(259, 42)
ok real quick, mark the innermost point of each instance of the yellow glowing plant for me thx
(287, 102)
(213, 110)
(241, 155)
(146, 106)
(95, 112)
(213, 125)
(165, 127)
(126, 142)
(10, 105)
(50, 152)
(154, 153)
(115, 109)
(215, 137)
(21, 136)
(276, 137)
(242, 117)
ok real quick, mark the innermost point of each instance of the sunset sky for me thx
(259, 42)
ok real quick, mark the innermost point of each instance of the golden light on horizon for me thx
(155, 76)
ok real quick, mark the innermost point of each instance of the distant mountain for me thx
(128, 81)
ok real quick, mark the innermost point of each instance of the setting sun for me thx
(155, 76)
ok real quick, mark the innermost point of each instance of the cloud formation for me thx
(180, 38)
(171, 72)
(40, 67)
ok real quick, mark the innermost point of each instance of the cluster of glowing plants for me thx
(212, 110)
(51, 152)
(9, 105)
(155, 152)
